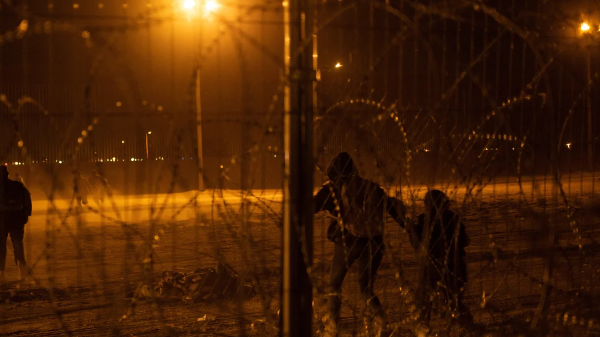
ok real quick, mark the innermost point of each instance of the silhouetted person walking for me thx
(99, 187)
(15, 210)
(440, 240)
(81, 188)
(359, 206)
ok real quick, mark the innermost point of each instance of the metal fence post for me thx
(296, 303)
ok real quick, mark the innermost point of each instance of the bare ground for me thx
(87, 267)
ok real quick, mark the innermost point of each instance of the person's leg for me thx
(17, 232)
(343, 257)
(369, 262)
(427, 288)
(461, 281)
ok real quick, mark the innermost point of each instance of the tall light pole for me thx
(300, 76)
(193, 9)
(586, 30)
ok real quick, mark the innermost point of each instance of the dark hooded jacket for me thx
(447, 234)
(15, 201)
(359, 205)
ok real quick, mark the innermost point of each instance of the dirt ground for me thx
(87, 267)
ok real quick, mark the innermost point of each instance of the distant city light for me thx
(338, 65)
(132, 159)
(123, 142)
(585, 27)
(568, 145)
(149, 132)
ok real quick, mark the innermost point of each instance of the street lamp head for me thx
(189, 4)
(211, 6)
(206, 6)
(585, 27)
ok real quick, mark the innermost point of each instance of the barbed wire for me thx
(238, 229)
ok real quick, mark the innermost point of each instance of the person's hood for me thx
(437, 200)
(341, 166)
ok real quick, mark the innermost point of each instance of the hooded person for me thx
(98, 187)
(15, 210)
(440, 239)
(358, 207)
(81, 188)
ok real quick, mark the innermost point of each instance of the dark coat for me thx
(360, 203)
(15, 202)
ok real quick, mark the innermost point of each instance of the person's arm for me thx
(415, 231)
(324, 200)
(396, 209)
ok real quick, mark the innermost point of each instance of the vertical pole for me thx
(199, 155)
(146, 145)
(296, 304)
(589, 110)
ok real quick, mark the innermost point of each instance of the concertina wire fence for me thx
(490, 102)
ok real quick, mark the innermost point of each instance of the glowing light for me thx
(159, 108)
(20, 143)
(119, 104)
(211, 6)
(189, 4)
(60, 161)
(114, 158)
(149, 132)
(122, 142)
(568, 145)
(338, 65)
(132, 159)
(585, 27)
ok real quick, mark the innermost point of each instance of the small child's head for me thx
(436, 200)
